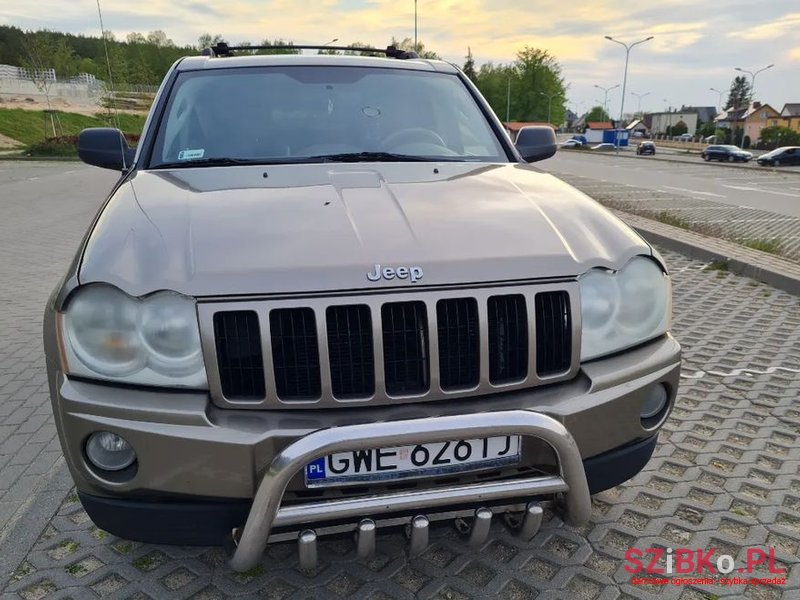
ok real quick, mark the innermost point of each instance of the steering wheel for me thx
(412, 135)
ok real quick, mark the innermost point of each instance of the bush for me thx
(59, 146)
(66, 145)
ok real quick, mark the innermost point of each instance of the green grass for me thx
(28, 126)
(771, 246)
(673, 220)
(719, 265)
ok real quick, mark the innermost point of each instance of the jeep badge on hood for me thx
(412, 273)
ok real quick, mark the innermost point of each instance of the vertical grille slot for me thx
(352, 361)
(508, 338)
(405, 348)
(295, 353)
(459, 348)
(553, 333)
(239, 358)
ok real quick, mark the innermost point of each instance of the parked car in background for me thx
(646, 148)
(787, 155)
(726, 153)
(605, 147)
(581, 139)
(685, 137)
(571, 144)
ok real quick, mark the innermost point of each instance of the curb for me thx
(767, 268)
(701, 162)
(40, 158)
(40, 509)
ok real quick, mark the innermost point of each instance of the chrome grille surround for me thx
(375, 301)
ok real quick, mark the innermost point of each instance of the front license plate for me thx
(407, 462)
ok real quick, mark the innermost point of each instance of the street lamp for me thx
(415, 26)
(719, 102)
(605, 96)
(640, 96)
(628, 48)
(752, 89)
(550, 102)
(332, 41)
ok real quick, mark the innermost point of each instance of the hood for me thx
(320, 228)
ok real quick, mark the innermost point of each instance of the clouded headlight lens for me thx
(622, 309)
(101, 328)
(148, 341)
(169, 332)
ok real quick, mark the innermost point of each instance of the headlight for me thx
(622, 309)
(150, 341)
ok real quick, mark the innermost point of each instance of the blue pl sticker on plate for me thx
(316, 469)
(191, 154)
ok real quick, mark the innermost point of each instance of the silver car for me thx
(328, 295)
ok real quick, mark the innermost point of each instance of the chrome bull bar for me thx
(267, 513)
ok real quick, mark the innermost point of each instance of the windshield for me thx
(318, 114)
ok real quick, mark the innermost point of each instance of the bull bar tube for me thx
(266, 511)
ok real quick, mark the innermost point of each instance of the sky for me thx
(696, 44)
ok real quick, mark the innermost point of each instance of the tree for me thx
(134, 37)
(773, 137)
(407, 44)
(38, 62)
(469, 66)
(706, 128)
(679, 128)
(159, 39)
(597, 114)
(526, 90)
(206, 40)
(739, 94)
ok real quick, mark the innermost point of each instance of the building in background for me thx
(662, 123)
(791, 116)
(757, 117)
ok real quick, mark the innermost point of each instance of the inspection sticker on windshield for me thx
(191, 154)
(406, 462)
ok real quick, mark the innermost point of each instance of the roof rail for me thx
(222, 49)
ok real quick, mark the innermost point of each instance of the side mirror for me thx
(536, 142)
(105, 147)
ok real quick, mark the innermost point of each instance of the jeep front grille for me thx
(508, 338)
(238, 344)
(350, 351)
(406, 363)
(420, 346)
(295, 353)
(553, 324)
(459, 343)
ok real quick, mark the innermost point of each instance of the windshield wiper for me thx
(377, 157)
(222, 161)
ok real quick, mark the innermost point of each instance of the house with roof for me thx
(791, 116)
(637, 128)
(730, 118)
(757, 117)
(664, 122)
(513, 127)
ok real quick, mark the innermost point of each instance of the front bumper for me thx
(188, 449)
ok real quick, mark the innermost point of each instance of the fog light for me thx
(109, 451)
(655, 402)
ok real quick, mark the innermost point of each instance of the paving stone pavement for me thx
(725, 475)
(44, 210)
(742, 224)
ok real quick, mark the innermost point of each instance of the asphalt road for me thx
(769, 190)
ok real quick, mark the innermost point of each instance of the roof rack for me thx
(222, 49)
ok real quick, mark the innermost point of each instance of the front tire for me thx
(731, 159)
